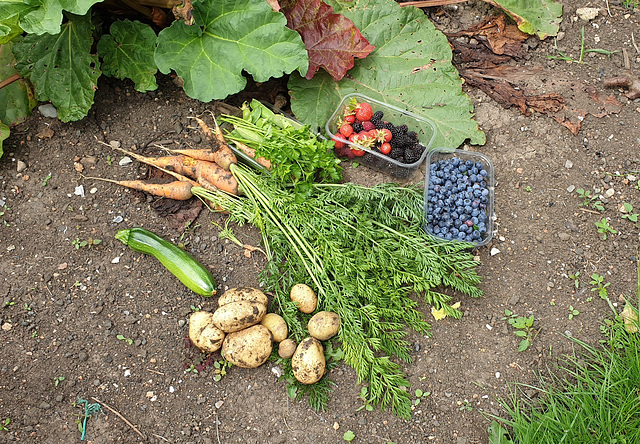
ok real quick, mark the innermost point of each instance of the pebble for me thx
(568, 164)
(115, 260)
(117, 219)
(494, 251)
(571, 188)
(514, 299)
(20, 166)
(126, 160)
(587, 14)
(82, 356)
(564, 236)
(219, 404)
(181, 323)
(114, 144)
(610, 192)
(44, 405)
(48, 110)
(498, 375)
(79, 191)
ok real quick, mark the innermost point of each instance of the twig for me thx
(9, 80)
(625, 57)
(590, 211)
(217, 430)
(429, 3)
(119, 416)
(161, 437)
(633, 40)
(609, 10)
(156, 372)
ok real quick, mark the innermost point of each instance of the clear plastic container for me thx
(373, 158)
(437, 154)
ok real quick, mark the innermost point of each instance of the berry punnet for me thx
(457, 200)
(396, 142)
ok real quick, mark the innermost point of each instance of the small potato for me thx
(276, 325)
(287, 348)
(248, 348)
(324, 325)
(238, 315)
(243, 294)
(305, 297)
(308, 363)
(203, 333)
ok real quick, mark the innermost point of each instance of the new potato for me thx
(276, 325)
(248, 348)
(243, 294)
(308, 363)
(287, 348)
(324, 325)
(238, 315)
(305, 297)
(203, 333)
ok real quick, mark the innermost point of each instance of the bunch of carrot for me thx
(207, 168)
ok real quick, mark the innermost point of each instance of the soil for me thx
(98, 322)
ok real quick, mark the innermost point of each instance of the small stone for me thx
(117, 219)
(587, 14)
(127, 373)
(6, 326)
(93, 190)
(171, 389)
(494, 251)
(114, 144)
(60, 398)
(571, 188)
(149, 395)
(48, 110)
(564, 236)
(336, 426)
(82, 356)
(115, 260)
(568, 164)
(498, 375)
(514, 299)
(20, 166)
(79, 191)
(219, 404)
(44, 405)
(126, 160)
(181, 323)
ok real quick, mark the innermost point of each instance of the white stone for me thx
(126, 160)
(494, 251)
(587, 14)
(48, 110)
(79, 191)
(610, 192)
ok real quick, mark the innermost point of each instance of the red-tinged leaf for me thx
(332, 40)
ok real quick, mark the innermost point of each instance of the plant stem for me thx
(9, 80)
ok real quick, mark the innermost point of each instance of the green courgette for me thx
(180, 263)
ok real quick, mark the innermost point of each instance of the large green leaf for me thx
(128, 54)
(4, 133)
(61, 67)
(42, 16)
(9, 29)
(541, 17)
(16, 99)
(228, 37)
(410, 68)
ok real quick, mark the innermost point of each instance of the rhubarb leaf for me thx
(128, 54)
(410, 68)
(332, 40)
(61, 67)
(228, 37)
(16, 99)
(42, 16)
(541, 17)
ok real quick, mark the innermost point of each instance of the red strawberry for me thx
(346, 130)
(385, 148)
(364, 111)
(350, 118)
(384, 135)
(338, 143)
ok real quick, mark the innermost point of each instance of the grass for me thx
(593, 398)
(583, 51)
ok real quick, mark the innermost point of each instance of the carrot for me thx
(176, 190)
(200, 170)
(222, 154)
(251, 152)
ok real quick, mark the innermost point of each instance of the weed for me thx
(57, 380)
(46, 180)
(34, 334)
(466, 406)
(628, 212)
(573, 312)
(9, 303)
(631, 4)
(192, 369)
(220, 369)
(4, 425)
(575, 278)
(85, 243)
(349, 436)
(27, 306)
(367, 405)
(604, 228)
(109, 160)
(194, 308)
(589, 200)
(419, 394)
(583, 51)
(523, 326)
(599, 285)
(528, 189)
(125, 339)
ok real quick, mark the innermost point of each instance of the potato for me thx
(287, 348)
(203, 333)
(308, 363)
(243, 294)
(276, 325)
(305, 297)
(324, 325)
(238, 315)
(248, 348)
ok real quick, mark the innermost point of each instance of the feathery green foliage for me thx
(364, 251)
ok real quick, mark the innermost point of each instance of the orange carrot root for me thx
(176, 190)
(252, 153)
(222, 154)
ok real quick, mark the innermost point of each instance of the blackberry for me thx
(379, 124)
(396, 132)
(357, 127)
(378, 115)
(396, 153)
(413, 136)
(403, 128)
(413, 153)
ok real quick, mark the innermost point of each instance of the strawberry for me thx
(337, 142)
(346, 130)
(385, 148)
(357, 152)
(350, 118)
(364, 111)
(384, 135)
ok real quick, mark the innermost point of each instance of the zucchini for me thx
(180, 263)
